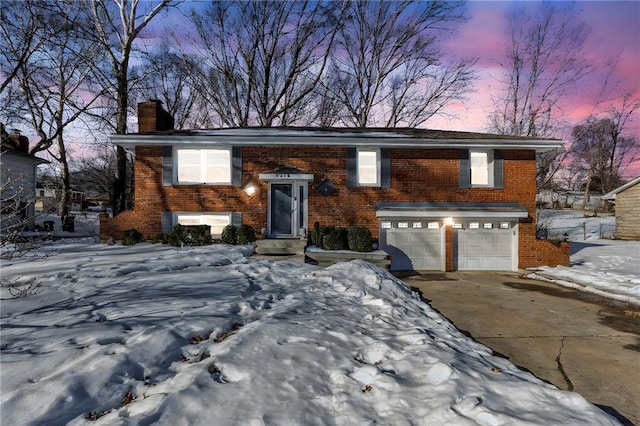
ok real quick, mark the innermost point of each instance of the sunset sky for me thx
(614, 36)
(615, 33)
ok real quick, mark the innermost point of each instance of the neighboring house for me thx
(48, 199)
(18, 183)
(627, 201)
(569, 200)
(439, 200)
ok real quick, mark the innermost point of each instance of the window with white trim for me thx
(481, 163)
(217, 221)
(368, 167)
(211, 166)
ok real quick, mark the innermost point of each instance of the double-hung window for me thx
(481, 168)
(209, 166)
(368, 167)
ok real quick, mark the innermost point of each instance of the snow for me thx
(207, 335)
(610, 268)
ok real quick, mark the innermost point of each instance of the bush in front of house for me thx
(318, 233)
(359, 238)
(335, 239)
(229, 234)
(189, 235)
(131, 237)
(245, 235)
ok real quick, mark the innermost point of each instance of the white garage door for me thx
(412, 248)
(485, 249)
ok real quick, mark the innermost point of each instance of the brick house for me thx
(439, 200)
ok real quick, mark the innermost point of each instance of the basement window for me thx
(217, 222)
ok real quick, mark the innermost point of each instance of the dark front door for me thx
(282, 209)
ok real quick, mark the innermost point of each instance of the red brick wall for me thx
(416, 176)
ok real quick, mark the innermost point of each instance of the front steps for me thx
(281, 246)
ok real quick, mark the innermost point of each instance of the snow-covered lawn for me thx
(155, 334)
(603, 266)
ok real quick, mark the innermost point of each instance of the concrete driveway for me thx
(575, 340)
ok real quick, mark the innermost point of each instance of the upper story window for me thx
(212, 166)
(368, 167)
(481, 168)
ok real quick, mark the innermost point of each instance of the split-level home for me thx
(435, 200)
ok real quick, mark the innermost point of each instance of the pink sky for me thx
(615, 32)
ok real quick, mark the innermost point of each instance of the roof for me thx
(610, 196)
(336, 136)
(24, 155)
(447, 209)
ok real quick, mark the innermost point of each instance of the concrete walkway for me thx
(575, 340)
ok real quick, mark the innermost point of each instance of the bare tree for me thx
(117, 26)
(54, 80)
(262, 59)
(387, 68)
(601, 148)
(544, 61)
(170, 78)
(19, 36)
(94, 174)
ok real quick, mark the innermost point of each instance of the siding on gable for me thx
(18, 185)
(628, 213)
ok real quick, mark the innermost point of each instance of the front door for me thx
(282, 209)
(287, 213)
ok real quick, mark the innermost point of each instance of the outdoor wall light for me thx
(250, 188)
(448, 221)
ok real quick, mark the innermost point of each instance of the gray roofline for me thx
(409, 205)
(611, 195)
(374, 140)
(25, 155)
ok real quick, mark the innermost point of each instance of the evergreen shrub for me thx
(359, 238)
(229, 234)
(245, 235)
(131, 237)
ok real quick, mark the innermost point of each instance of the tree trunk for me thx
(120, 184)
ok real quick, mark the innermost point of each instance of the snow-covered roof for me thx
(610, 196)
(336, 136)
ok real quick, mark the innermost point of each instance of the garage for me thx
(485, 246)
(412, 245)
(450, 236)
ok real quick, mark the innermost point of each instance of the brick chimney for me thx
(153, 118)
